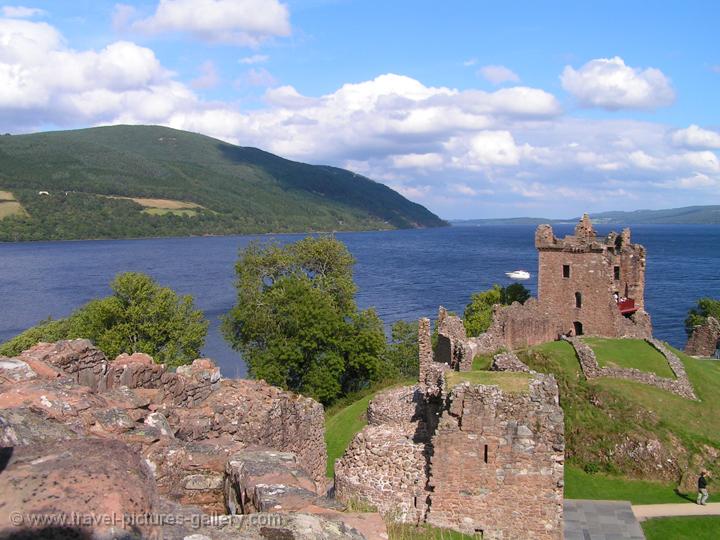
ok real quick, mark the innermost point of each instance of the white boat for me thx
(518, 274)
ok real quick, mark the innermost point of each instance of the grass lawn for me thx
(682, 528)
(341, 427)
(482, 361)
(630, 353)
(398, 531)
(581, 485)
(512, 382)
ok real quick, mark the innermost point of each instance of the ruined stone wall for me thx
(518, 326)
(705, 339)
(453, 348)
(592, 263)
(427, 460)
(497, 462)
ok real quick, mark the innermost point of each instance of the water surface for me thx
(403, 274)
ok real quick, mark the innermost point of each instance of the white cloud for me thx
(498, 74)
(22, 12)
(254, 59)
(470, 62)
(430, 160)
(239, 22)
(122, 16)
(209, 77)
(443, 146)
(696, 137)
(256, 77)
(612, 85)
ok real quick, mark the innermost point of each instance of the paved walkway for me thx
(648, 511)
(600, 520)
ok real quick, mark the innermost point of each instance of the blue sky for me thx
(475, 109)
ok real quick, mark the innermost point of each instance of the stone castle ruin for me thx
(455, 453)
(586, 286)
(591, 285)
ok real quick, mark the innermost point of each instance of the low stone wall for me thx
(591, 369)
(705, 339)
(385, 468)
(508, 362)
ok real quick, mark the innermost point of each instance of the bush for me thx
(706, 307)
(140, 316)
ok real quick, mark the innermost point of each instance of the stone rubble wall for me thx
(385, 468)
(591, 369)
(453, 347)
(508, 362)
(705, 339)
(497, 462)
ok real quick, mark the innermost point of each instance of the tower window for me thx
(566, 270)
(578, 300)
(616, 271)
(485, 457)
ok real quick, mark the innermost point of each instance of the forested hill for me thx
(133, 181)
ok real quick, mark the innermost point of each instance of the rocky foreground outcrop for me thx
(126, 448)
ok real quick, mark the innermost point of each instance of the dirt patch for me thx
(11, 208)
(6, 196)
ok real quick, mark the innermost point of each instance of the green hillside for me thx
(207, 186)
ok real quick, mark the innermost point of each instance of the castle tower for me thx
(592, 285)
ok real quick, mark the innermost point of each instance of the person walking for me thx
(702, 488)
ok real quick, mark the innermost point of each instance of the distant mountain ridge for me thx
(135, 181)
(688, 215)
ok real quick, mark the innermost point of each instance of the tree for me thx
(140, 316)
(478, 313)
(516, 292)
(402, 352)
(296, 321)
(706, 307)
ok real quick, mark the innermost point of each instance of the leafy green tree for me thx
(140, 316)
(516, 292)
(478, 313)
(706, 307)
(296, 321)
(402, 352)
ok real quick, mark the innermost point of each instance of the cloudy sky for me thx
(474, 109)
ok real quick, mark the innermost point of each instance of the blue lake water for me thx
(403, 274)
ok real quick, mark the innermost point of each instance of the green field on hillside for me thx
(99, 181)
(630, 353)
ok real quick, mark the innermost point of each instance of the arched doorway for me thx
(577, 325)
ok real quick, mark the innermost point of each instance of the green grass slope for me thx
(240, 190)
(628, 429)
